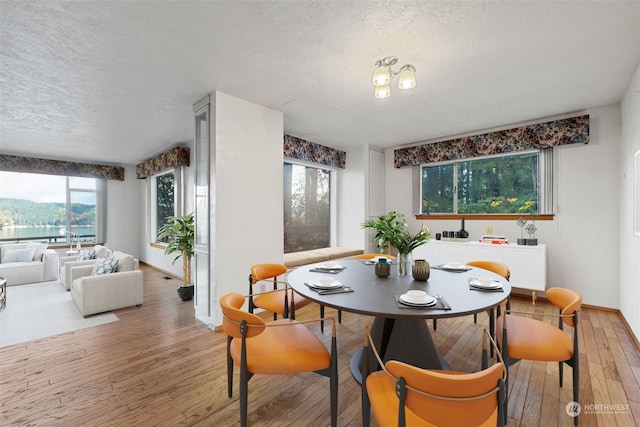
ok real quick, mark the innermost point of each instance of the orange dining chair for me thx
(281, 301)
(495, 267)
(280, 347)
(530, 339)
(404, 395)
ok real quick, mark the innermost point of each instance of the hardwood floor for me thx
(157, 365)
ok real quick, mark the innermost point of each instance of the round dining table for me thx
(400, 332)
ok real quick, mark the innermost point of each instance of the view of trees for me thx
(306, 208)
(493, 185)
(28, 213)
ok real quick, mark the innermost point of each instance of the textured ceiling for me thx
(115, 81)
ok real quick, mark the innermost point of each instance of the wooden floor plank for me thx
(158, 365)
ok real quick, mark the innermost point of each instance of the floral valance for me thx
(301, 149)
(59, 167)
(178, 156)
(542, 135)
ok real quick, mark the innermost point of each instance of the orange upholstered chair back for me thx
(566, 300)
(233, 315)
(443, 412)
(266, 271)
(496, 267)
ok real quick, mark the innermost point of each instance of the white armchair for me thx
(99, 293)
(68, 262)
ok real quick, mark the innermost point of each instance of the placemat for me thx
(441, 304)
(450, 270)
(327, 270)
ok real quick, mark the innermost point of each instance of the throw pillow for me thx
(40, 248)
(101, 251)
(87, 254)
(125, 261)
(18, 255)
(105, 266)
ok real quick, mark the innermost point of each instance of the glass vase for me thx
(404, 264)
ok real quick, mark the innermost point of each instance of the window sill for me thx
(499, 217)
(158, 245)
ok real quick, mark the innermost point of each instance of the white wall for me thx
(351, 199)
(629, 244)
(123, 213)
(582, 240)
(249, 193)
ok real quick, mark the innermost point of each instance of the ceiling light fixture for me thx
(383, 74)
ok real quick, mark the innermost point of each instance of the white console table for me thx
(527, 264)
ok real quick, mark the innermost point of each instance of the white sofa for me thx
(41, 267)
(94, 293)
(68, 262)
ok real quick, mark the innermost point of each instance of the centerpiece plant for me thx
(391, 231)
(180, 232)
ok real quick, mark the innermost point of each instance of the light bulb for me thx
(381, 76)
(382, 92)
(407, 79)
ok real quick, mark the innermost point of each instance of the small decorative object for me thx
(521, 223)
(531, 229)
(421, 270)
(382, 268)
(463, 234)
(404, 264)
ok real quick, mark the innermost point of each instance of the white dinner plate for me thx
(329, 266)
(485, 284)
(325, 283)
(424, 301)
(455, 266)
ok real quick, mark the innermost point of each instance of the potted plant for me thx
(391, 230)
(180, 234)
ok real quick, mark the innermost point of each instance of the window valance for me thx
(177, 156)
(542, 135)
(301, 149)
(59, 167)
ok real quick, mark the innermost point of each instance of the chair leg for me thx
(560, 371)
(244, 396)
(435, 324)
(333, 383)
(339, 316)
(321, 317)
(475, 318)
(229, 368)
(576, 386)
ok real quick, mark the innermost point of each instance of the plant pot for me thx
(186, 292)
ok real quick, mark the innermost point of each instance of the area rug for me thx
(41, 310)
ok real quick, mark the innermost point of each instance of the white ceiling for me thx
(115, 81)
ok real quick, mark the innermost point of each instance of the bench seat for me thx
(296, 259)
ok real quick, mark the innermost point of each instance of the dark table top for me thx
(375, 296)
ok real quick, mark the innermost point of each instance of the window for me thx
(507, 184)
(50, 208)
(307, 208)
(164, 197)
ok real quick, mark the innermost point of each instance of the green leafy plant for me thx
(391, 230)
(181, 234)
